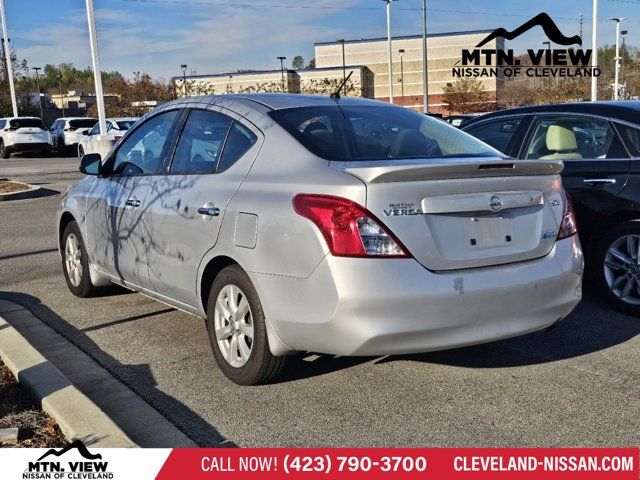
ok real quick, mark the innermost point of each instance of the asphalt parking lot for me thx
(577, 385)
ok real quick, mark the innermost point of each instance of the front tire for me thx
(75, 262)
(237, 330)
(617, 267)
(80, 152)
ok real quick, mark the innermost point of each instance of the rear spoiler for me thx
(383, 171)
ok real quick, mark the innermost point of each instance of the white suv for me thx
(23, 134)
(67, 132)
(116, 128)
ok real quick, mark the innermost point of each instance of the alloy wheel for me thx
(233, 324)
(622, 268)
(73, 259)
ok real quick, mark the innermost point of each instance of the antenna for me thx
(336, 95)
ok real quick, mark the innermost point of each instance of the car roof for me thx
(19, 118)
(628, 110)
(123, 119)
(278, 101)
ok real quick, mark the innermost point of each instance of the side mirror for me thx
(90, 164)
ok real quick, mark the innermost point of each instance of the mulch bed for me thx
(7, 186)
(17, 409)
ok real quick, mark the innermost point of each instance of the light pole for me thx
(388, 2)
(229, 87)
(401, 52)
(61, 97)
(344, 63)
(594, 52)
(425, 79)
(37, 70)
(97, 71)
(183, 67)
(282, 59)
(7, 54)
(623, 51)
(616, 87)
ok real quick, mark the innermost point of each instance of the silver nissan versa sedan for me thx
(333, 225)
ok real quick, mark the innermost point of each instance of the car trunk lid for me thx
(468, 212)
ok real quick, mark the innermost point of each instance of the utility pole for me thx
(97, 72)
(389, 48)
(616, 83)
(37, 70)
(282, 59)
(594, 52)
(7, 54)
(425, 68)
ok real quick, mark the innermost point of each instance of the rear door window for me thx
(201, 142)
(572, 138)
(497, 133)
(240, 140)
(631, 138)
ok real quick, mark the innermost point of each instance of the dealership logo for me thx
(48, 466)
(556, 62)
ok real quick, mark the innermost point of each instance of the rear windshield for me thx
(123, 124)
(26, 123)
(364, 133)
(83, 123)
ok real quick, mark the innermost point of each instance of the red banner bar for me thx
(403, 464)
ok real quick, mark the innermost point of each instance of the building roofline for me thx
(407, 37)
(226, 74)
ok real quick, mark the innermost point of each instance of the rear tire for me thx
(4, 150)
(80, 152)
(616, 267)
(75, 263)
(237, 330)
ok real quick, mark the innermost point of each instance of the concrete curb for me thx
(115, 415)
(29, 193)
(77, 416)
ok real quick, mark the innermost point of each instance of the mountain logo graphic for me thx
(77, 445)
(541, 20)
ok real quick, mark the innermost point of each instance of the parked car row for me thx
(80, 134)
(307, 223)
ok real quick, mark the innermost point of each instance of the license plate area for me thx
(489, 230)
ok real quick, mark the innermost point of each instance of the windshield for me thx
(27, 123)
(365, 133)
(123, 124)
(83, 123)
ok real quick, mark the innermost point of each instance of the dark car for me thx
(600, 146)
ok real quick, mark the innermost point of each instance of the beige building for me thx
(74, 99)
(367, 61)
(239, 82)
(443, 52)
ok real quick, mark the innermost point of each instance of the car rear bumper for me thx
(30, 147)
(351, 306)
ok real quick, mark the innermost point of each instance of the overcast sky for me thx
(156, 36)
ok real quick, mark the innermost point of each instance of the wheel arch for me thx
(210, 272)
(66, 218)
(606, 224)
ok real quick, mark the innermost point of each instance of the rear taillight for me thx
(10, 129)
(569, 226)
(348, 228)
(117, 137)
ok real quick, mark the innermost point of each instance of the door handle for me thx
(599, 181)
(132, 203)
(209, 211)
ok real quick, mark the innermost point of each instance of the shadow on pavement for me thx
(168, 406)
